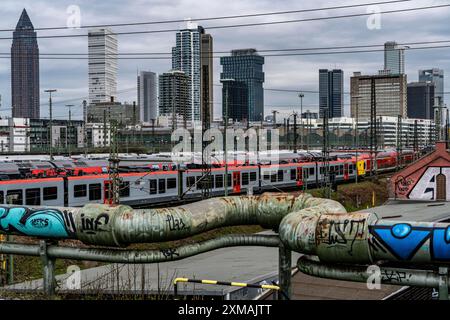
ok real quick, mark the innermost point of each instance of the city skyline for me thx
(297, 72)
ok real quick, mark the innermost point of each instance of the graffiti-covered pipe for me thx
(363, 238)
(142, 256)
(369, 274)
(121, 225)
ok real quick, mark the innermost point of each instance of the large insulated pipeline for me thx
(363, 238)
(305, 224)
(119, 226)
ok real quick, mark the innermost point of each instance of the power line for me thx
(242, 25)
(95, 55)
(218, 18)
(263, 55)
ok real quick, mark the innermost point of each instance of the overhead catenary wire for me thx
(255, 24)
(272, 13)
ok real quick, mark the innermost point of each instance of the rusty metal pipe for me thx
(369, 274)
(142, 256)
(363, 238)
(121, 225)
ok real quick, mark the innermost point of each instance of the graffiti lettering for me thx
(170, 253)
(403, 240)
(92, 226)
(175, 224)
(48, 223)
(404, 185)
(394, 276)
(341, 233)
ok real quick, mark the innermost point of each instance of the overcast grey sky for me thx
(70, 77)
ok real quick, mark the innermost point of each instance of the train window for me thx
(80, 191)
(266, 176)
(293, 174)
(95, 191)
(50, 193)
(33, 197)
(273, 177)
(219, 181)
(311, 171)
(229, 180)
(341, 170)
(2, 197)
(322, 170)
(14, 197)
(280, 175)
(190, 181)
(153, 189)
(171, 183)
(245, 178)
(252, 176)
(124, 190)
(199, 183)
(162, 186)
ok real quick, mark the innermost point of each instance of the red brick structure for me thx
(426, 179)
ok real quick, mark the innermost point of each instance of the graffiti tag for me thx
(175, 224)
(94, 225)
(170, 253)
(341, 233)
(48, 223)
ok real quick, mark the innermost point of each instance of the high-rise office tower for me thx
(25, 70)
(390, 94)
(421, 100)
(174, 97)
(435, 76)
(236, 94)
(147, 96)
(394, 58)
(246, 66)
(331, 92)
(207, 103)
(192, 54)
(103, 49)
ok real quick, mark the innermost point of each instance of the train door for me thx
(346, 173)
(107, 198)
(236, 182)
(299, 177)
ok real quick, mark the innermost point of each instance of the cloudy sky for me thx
(70, 77)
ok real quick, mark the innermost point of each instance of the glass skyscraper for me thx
(435, 76)
(331, 92)
(394, 58)
(25, 70)
(147, 96)
(246, 68)
(192, 54)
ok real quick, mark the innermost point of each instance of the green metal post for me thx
(49, 269)
(443, 283)
(284, 272)
(9, 239)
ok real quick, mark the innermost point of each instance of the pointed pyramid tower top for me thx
(24, 22)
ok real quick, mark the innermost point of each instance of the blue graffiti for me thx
(440, 244)
(48, 223)
(402, 240)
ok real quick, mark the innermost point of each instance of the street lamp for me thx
(226, 83)
(50, 91)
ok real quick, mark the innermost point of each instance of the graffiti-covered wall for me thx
(426, 179)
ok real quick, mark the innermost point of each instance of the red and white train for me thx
(73, 183)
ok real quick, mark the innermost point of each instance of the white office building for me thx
(103, 49)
